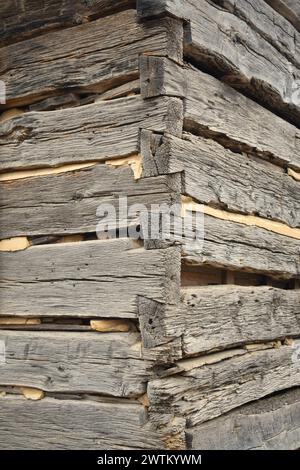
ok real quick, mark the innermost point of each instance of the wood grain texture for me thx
(52, 424)
(22, 20)
(241, 247)
(94, 132)
(228, 46)
(106, 363)
(204, 389)
(83, 278)
(271, 423)
(217, 176)
(217, 317)
(67, 203)
(273, 27)
(289, 9)
(213, 108)
(54, 63)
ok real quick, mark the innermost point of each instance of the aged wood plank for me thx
(267, 23)
(228, 46)
(217, 176)
(67, 203)
(105, 363)
(243, 247)
(215, 317)
(207, 387)
(82, 279)
(94, 132)
(54, 62)
(290, 9)
(75, 424)
(212, 108)
(21, 20)
(272, 423)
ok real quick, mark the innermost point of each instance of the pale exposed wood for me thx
(203, 392)
(10, 113)
(14, 244)
(21, 174)
(19, 321)
(81, 279)
(21, 20)
(32, 393)
(294, 174)
(67, 203)
(272, 423)
(134, 162)
(75, 425)
(96, 132)
(105, 58)
(108, 364)
(106, 326)
(276, 227)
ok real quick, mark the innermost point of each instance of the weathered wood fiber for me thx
(228, 46)
(93, 278)
(217, 176)
(242, 247)
(67, 203)
(94, 132)
(290, 9)
(213, 108)
(212, 385)
(103, 363)
(52, 424)
(21, 20)
(267, 23)
(272, 423)
(215, 317)
(53, 62)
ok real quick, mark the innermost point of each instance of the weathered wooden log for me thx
(217, 317)
(290, 9)
(271, 423)
(231, 48)
(96, 132)
(24, 20)
(106, 363)
(105, 58)
(52, 424)
(67, 202)
(214, 109)
(217, 176)
(82, 279)
(209, 386)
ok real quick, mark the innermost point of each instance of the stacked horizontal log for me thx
(124, 343)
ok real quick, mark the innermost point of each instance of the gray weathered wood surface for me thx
(272, 423)
(23, 20)
(53, 62)
(94, 132)
(52, 424)
(213, 108)
(93, 278)
(217, 176)
(103, 363)
(229, 46)
(67, 203)
(290, 9)
(217, 317)
(244, 247)
(206, 389)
